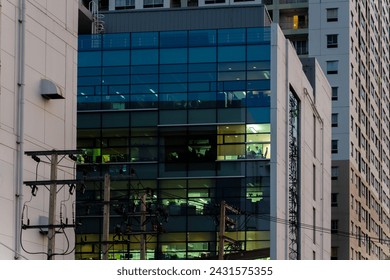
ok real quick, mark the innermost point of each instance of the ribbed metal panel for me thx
(186, 19)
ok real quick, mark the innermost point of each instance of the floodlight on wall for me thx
(49, 90)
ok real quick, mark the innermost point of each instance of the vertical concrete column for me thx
(111, 5)
(139, 4)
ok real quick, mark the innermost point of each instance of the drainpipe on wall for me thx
(19, 126)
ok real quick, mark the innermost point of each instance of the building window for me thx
(332, 67)
(335, 146)
(332, 41)
(231, 142)
(214, 1)
(103, 5)
(334, 253)
(314, 135)
(314, 225)
(299, 21)
(334, 199)
(334, 226)
(335, 118)
(314, 182)
(124, 4)
(301, 46)
(153, 3)
(332, 14)
(335, 172)
(335, 93)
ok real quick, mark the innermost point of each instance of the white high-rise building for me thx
(350, 39)
(38, 52)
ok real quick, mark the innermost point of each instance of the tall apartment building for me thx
(38, 52)
(350, 39)
(187, 108)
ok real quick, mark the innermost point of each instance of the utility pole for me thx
(221, 230)
(51, 185)
(52, 208)
(225, 221)
(106, 215)
(143, 227)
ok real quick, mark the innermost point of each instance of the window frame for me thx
(335, 93)
(332, 14)
(332, 41)
(332, 67)
(335, 146)
(334, 172)
(335, 119)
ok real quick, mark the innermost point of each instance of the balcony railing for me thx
(289, 24)
(292, 1)
(301, 47)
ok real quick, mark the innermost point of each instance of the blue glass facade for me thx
(189, 112)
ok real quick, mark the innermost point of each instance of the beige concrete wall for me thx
(315, 101)
(50, 53)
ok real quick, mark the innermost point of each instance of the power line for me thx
(319, 229)
(283, 221)
(312, 227)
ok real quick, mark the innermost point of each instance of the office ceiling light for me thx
(253, 129)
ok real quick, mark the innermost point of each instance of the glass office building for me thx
(184, 117)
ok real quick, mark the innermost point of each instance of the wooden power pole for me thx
(52, 208)
(223, 222)
(221, 230)
(52, 226)
(143, 227)
(106, 216)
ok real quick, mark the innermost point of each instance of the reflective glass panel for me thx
(143, 57)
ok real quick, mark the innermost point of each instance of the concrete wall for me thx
(314, 150)
(50, 53)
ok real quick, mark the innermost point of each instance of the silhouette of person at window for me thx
(258, 152)
(250, 153)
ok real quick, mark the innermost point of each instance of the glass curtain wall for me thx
(183, 116)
